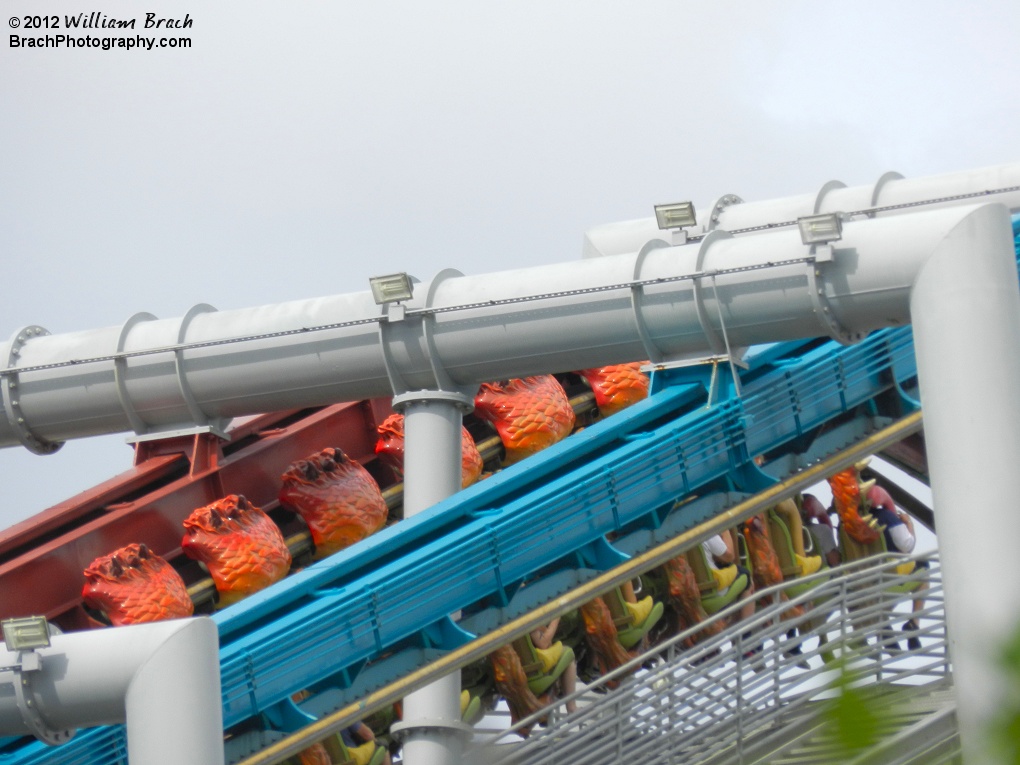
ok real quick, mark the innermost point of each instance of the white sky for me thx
(298, 148)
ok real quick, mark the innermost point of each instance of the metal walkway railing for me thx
(720, 702)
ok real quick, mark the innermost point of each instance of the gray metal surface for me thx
(655, 302)
(133, 675)
(431, 728)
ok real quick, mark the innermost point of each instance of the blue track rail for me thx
(326, 627)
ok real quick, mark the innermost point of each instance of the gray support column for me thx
(432, 731)
(965, 307)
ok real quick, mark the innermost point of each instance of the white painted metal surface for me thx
(580, 324)
(431, 730)
(889, 190)
(966, 309)
(162, 680)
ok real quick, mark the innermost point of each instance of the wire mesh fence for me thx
(728, 698)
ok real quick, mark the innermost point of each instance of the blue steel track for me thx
(544, 522)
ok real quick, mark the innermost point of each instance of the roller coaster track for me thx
(275, 748)
(546, 521)
(356, 623)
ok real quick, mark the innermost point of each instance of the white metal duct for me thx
(324, 350)
(162, 680)
(892, 194)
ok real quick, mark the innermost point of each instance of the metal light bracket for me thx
(28, 666)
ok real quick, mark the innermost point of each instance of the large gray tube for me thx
(865, 287)
(966, 309)
(891, 190)
(162, 680)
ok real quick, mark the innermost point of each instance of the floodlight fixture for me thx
(820, 229)
(391, 288)
(675, 215)
(26, 633)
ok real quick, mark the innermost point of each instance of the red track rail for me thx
(42, 558)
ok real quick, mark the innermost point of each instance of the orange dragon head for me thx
(529, 413)
(850, 496)
(239, 544)
(336, 497)
(134, 585)
(616, 386)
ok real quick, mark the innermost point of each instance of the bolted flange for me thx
(28, 706)
(10, 392)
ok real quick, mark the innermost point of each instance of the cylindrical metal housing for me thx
(891, 190)
(131, 674)
(966, 320)
(583, 324)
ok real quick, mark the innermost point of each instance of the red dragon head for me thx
(850, 496)
(336, 497)
(239, 544)
(134, 585)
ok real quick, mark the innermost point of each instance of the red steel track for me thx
(42, 558)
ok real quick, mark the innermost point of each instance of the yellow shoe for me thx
(905, 568)
(550, 656)
(465, 699)
(362, 755)
(808, 565)
(639, 611)
(724, 577)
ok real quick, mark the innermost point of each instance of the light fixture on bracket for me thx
(390, 291)
(820, 231)
(676, 217)
(391, 288)
(26, 633)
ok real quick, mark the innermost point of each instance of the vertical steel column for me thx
(965, 307)
(432, 731)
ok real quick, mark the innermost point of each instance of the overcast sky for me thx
(298, 148)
